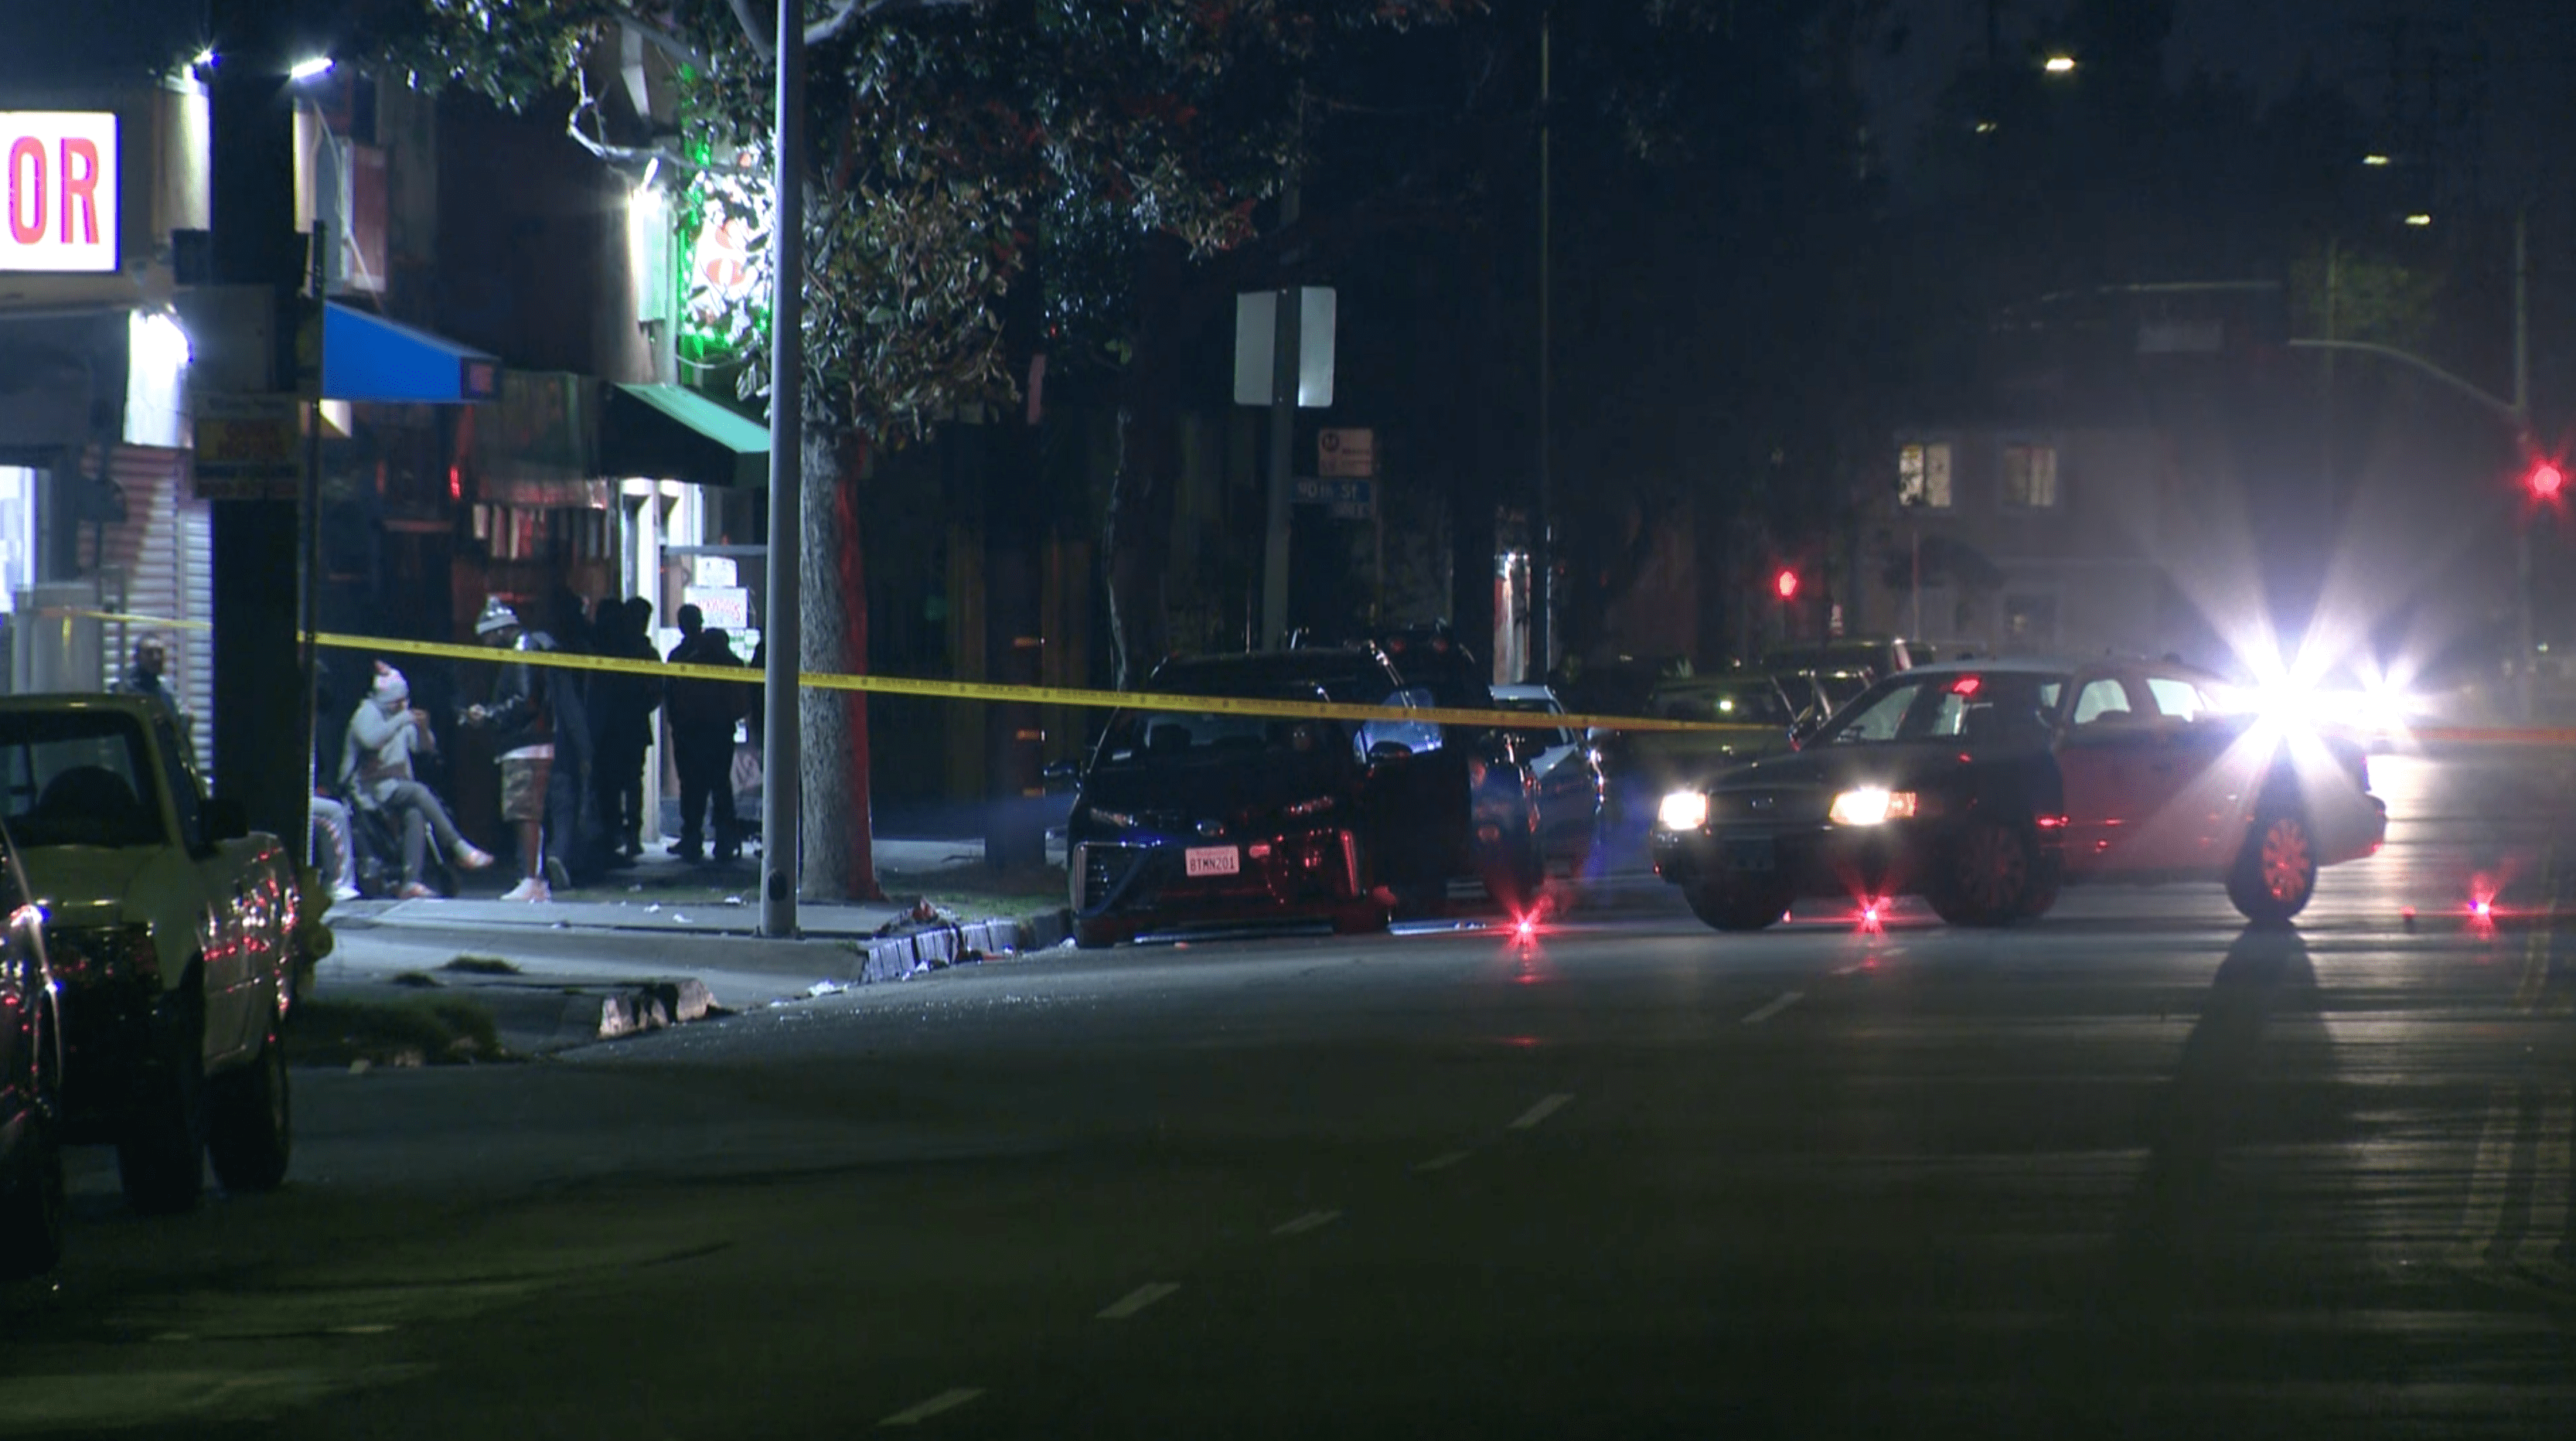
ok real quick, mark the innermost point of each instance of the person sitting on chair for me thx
(385, 732)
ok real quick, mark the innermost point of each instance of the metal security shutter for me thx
(158, 563)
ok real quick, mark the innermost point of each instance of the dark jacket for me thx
(622, 706)
(702, 708)
(518, 713)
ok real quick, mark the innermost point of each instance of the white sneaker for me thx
(471, 857)
(345, 893)
(530, 889)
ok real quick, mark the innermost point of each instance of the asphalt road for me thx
(2133, 1170)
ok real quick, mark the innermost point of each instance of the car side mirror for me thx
(1060, 777)
(224, 819)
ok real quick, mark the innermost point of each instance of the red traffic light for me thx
(1785, 584)
(2546, 479)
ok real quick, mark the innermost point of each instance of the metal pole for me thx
(1914, 543)
(1543, 616)
(2524, 659)
(782, 768)
(1285, 322)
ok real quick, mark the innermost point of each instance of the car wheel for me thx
(1736, 908)
(1987, 877)
(249, 1125)
(161, 1150)
(2276, 873)
(31, 1200)
(1097, 935)
(2047, 878)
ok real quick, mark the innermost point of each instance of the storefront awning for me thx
(668, 432)
(367, 357)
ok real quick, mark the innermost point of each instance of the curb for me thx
(938, 946)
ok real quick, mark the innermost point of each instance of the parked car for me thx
(1877, 657)
(1190, 818)
(1644, 764)
(1982, 786)
(1566, 773)
(173, 931)
(31, 1070)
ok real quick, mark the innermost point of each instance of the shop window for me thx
(2030, 476)
(1923, 475)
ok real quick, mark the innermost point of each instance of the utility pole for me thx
(2525, 654)
(782, 777)
(1543, 615)
(1286, 319)
(263, 736)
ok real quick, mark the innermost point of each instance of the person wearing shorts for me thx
(524, 735)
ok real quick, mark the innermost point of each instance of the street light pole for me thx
(2525, 661)
(1543, 638)
(782, 769)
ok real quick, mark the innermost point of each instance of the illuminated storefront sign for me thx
(57, 190)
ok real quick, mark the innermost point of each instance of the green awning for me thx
(669, 432)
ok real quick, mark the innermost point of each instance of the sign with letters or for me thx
(1347, 499)
(1346, 452)
(249, 447)
(58, 178)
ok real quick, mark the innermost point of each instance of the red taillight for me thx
(1965, 685)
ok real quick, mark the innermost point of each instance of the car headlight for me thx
(1682, 811)
(1315, 807)
(1115, 820)
(1871, 806)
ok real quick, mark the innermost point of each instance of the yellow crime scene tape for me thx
(967, 690)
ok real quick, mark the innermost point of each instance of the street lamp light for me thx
(2374, 160)
(2419, 219)
(2059, 65)
(319, 65)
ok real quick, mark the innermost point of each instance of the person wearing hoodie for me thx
(522, 717)
(385, 732)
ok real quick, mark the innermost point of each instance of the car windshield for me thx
(1751, 702)
(1974, 705)
(77, 778)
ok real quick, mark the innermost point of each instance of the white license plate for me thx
(1212, 861)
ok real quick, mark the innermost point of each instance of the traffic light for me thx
(2545, 479)
(1785, 584)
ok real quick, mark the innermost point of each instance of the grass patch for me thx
(481, 966)
(430, 1031)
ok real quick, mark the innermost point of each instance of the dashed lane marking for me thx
(944, 1401)
(1311, 1221)
(1443, 1161)
(1786, 1000)
(1138, 1299)
(2490, 1175)
(2544, 1241)
(1546, 1107)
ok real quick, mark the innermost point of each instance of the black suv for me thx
(1196, 818)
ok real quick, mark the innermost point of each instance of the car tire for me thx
(2047, 879)
(1097, 935)
(2275, 874)
(1736, 908)
(249, 1123)
(31, 1203)
(161, 1149)
(1986, 875)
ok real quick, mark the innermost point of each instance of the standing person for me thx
(621, 718)
(576, 844)
(524, 738)
(145, 677)
(702, 716)
(385, 732)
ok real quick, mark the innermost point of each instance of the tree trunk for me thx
(1143, 493)
(839, 861)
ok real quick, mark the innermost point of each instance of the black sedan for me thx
(31, 1167)
(1982, 786)
(1189, 818)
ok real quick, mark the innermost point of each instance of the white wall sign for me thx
(58, 178)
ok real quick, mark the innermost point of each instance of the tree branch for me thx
(662, 40)
(846, 16)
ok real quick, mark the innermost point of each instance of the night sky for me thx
(2530, 48)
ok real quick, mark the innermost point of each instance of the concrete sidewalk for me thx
(590, 969)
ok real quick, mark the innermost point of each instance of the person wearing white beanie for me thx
(385, 732)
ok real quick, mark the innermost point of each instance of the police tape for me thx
(1265, 707)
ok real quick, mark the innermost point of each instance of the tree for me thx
(954, 142)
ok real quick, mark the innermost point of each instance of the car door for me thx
(2107, 743)
(2193, 780)
(1569, 791)
(231, 951)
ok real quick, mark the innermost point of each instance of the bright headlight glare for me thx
(1115, 820)
(1682, 811)
(1871, 806)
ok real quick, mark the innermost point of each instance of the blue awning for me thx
(367, 357)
